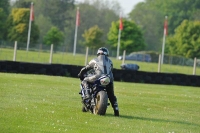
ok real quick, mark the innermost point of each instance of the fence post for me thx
(124, 54)
(40, 49)
(15, 51)
(194, 67)
(51, 54)
(86, 56)
(159, 63)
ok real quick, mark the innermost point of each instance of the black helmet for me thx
(103, 51)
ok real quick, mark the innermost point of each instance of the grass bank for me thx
(45, 104)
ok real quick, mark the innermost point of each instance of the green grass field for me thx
(79, 59)
(51, 104)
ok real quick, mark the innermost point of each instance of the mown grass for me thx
(79, 59)
(45, 104)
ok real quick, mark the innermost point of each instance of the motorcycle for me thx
(99, 98)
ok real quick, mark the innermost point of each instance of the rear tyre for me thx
(101, 101)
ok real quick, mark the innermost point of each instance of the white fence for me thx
(66, 49)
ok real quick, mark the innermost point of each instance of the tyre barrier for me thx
(119, 75)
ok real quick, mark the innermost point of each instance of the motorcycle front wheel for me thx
(101, 101)
(84, 109)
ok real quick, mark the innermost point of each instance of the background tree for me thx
(92, 13)
(56, 10)
(22, 4)
(50, 13)
(131, 37)
(2, 23)
(54, 36)
(151, 13)
(93, 37)
(44, 24)
(105, 5)
(17, 25)
(151, 23)
(5, 4)
(186, 40)
(4, 13)
(59, 12)
(62, 14)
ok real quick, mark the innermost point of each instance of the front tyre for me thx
(84, 109)
(101, 101)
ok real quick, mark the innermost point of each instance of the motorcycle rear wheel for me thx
(101, 101)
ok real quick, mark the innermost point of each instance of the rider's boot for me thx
(116, 109)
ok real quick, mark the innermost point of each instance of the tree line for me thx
(181, 14)
(54, 22)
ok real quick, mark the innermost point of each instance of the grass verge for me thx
(45, 104)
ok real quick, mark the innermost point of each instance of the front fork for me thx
(87, 103)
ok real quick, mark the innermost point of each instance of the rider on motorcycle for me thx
(101, 65)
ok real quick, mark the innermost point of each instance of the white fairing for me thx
(104, 80)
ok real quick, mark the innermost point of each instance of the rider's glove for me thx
(83, 70)
(80, 76)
